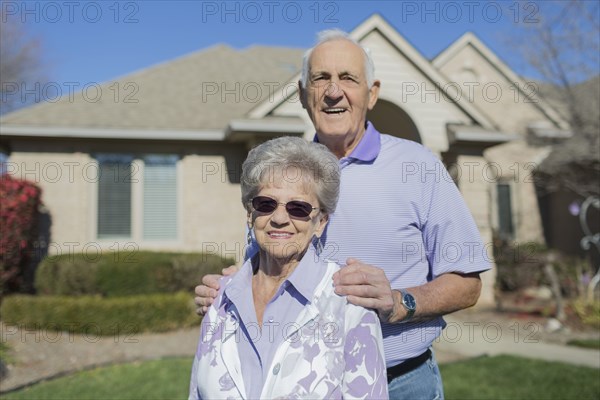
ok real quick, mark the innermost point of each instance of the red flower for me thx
(19, 202)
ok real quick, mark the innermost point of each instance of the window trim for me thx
(513, 210)
(137, 207)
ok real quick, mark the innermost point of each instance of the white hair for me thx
(329, 35)
(316, 164)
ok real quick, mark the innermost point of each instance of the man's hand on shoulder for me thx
(367, 286)
(207, 291)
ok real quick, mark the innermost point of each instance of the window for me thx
(137, 197)
(505, 220)
(160, 197)
(114, 195)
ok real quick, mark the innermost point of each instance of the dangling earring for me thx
(249, 233)
(319, 247)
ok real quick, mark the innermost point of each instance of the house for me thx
(152, 160)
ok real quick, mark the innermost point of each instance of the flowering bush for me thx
(19, 202)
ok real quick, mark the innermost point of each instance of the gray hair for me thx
(316, 164)
(329, 35)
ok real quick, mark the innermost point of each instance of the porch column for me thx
(470, 176)
(469, 169)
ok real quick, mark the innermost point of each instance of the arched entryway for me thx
(393, 120)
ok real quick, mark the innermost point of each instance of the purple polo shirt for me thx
(400, 210)
(257, 346)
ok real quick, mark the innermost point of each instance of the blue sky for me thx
(93, 41)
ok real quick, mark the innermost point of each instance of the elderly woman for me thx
(276, 328)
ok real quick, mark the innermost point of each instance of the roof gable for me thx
(469, 41)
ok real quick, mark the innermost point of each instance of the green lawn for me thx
(502, 377)
(508, 377)
(586, 343)
(160, 379)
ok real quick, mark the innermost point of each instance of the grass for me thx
(500, 377)
(585, 343)
(4, 353)
(509, 377)
(158, 379)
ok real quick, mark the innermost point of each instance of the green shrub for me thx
(188, 269)
(67, 275)
(143, 273)
(521, 265)
(96, 316)
(116, 274)
(589, 313)
(585, 343)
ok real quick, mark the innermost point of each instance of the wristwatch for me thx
(409, 303)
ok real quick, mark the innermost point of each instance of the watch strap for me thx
(410, 311)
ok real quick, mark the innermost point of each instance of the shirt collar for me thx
(368, 147)
(240, 283)
(304, 278)
(307, 274)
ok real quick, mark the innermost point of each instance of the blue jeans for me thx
(424, 382)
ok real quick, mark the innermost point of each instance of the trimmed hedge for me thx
(67, 276)
(115, 274)
(95, 316)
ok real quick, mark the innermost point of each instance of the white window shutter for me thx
(114, 195)
(160, 197)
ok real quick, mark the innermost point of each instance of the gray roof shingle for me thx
(203, 90)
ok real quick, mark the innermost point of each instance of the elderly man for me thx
(411, 248)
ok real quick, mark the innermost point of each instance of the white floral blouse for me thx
(334, 351)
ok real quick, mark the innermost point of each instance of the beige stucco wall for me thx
(403, 84)
(210, 215)
(513, 163)
(503, 101)
(506, 104)
(65, 179)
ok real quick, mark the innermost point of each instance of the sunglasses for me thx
(295, 208)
